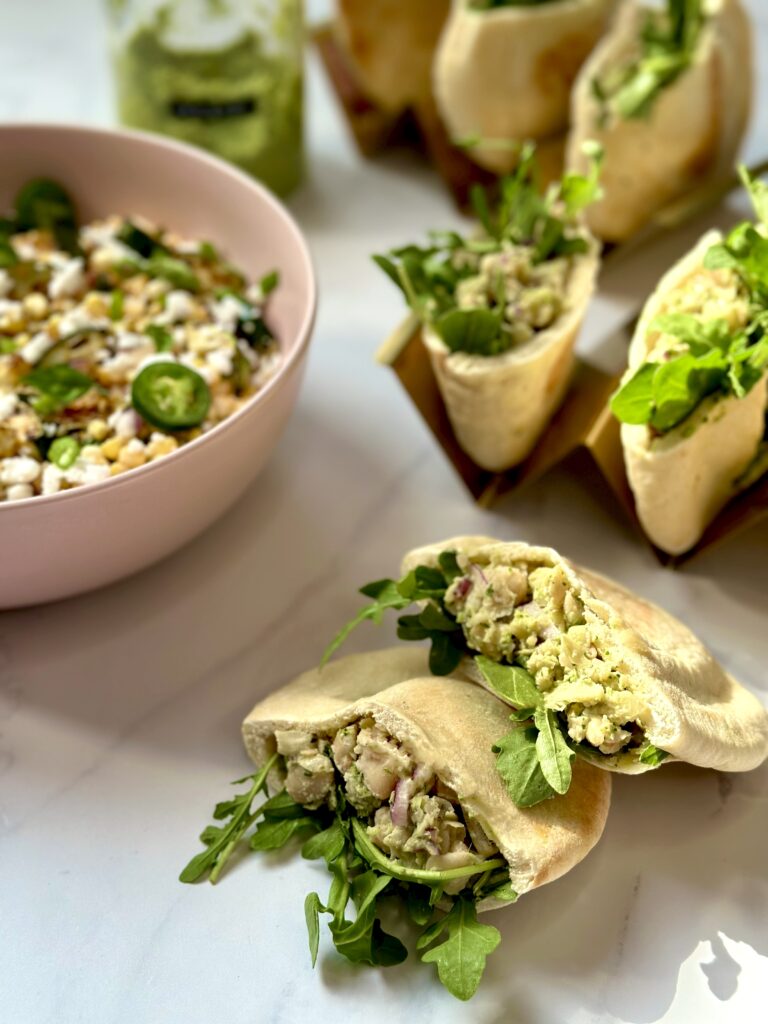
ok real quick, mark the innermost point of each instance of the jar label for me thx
(213, 111)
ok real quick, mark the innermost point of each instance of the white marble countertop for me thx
(120, 710)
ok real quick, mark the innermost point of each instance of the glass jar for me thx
(222, 74)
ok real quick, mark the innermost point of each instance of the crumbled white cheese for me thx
(51, 480)
(67, 280)
(178, 307)
(129, 340)
(226, 311)
(19, 469)
(221, 361)
(79, 319)
(18, 491)
(124, 422)
(36, 347)
(7, 405)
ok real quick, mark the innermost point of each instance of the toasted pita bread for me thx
(694, 710)
(505, 74)
(390, 44)
(682, 479)
(692, 134)
(499, 405)
(450, 726)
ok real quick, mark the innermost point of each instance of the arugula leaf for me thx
(273, 835)
(461, 957)
(476, 331)
(418, 904)
(652, 755)
(328, 844)
(58, 386)
(44, 204)
(220, 842)
(269, 282)
(434, 622)
(161, 336)
(519, 767)
(178, 273)
(385, 595)
(363, 940)
(668, 41)
(579, 191)
(312, 910)
(133, 236)
(424, 876)
(553, 752)
(512, 684)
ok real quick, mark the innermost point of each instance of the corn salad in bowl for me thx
(120, 341)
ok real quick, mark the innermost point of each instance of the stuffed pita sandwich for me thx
(693, 402)
(388, 773)
(500, 311)
(503, 72)
(390, 44)
(597, 671)
(667, 93)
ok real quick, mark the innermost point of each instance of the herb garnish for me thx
(58, 386)
(546, 225)
(361, 874)
(668, 41)
(713, 359)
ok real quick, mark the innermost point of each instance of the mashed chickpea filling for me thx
(530, 294)
(529, 615)
(411, 815)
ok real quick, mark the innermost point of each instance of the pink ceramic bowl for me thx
(52, 547)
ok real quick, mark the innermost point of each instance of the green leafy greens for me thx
(361, 875)
(710, 357)
(667, 45)
(57, 387)
(546, 225)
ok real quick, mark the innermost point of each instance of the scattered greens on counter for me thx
(711, 359)
(450, 936)
(491, 292)
(667, 45)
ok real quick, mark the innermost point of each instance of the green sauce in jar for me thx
(227, 80)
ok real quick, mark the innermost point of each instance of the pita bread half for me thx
(390, 44)
(692, 134)
(691, 707)
(683, 478)
(450, 726)
(499, 405)
(506, 73)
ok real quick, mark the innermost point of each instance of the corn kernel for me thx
(111, 449)
(160, 445)
(117, 468)
(133, 454)
(95, 304)
(98, 429)
(35, 306)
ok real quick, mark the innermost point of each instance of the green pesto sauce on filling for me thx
(242, 100)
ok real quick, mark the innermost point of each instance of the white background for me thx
(120, 711)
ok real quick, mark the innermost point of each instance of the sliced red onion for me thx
(476, 568)
(463, 587)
